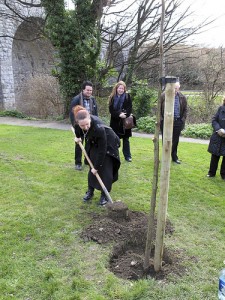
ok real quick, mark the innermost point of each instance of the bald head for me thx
(177, 86)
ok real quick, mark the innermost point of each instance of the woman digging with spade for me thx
(102, 147)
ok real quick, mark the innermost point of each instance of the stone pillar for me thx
(7, 30)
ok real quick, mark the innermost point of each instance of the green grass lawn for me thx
(42, 215)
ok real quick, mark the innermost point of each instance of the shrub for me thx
(40, 97)
(199, 111)
(106, 120)
(146, 124)
(13, 113)
(103, 106)
(201, 131)
(143, 99)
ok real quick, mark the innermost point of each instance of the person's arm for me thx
(95, 107)
(215, 121)
(184, 116)
(115, 113)
(128, 105)
(162, 105)
(74, 102)
(78, 131)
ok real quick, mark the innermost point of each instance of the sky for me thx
(214, 35)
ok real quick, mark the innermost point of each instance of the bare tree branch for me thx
(139, 31)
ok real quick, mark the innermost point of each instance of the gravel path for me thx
(66, 126)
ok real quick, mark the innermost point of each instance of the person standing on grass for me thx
(120, 107)
(217, 142)
(180, 115)
(102, 147)
(86, 100)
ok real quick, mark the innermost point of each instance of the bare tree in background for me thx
(213, 70)
(201, 69)
(133, 29)
(130, 33)
(137, 33)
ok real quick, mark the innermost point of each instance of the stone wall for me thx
(22, 52)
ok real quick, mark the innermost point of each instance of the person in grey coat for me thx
(102, 147)
(217, 143)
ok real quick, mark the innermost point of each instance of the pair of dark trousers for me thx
(177, 127)
(78, 153)
(214, 165)
(126, 147)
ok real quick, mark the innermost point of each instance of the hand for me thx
(221, 132)
(77, 140)
(122, 115)
(94, 171)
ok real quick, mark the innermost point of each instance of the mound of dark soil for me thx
(128, 234)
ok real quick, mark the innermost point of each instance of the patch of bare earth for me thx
(128, 235)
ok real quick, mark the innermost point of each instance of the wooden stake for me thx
(165, 174)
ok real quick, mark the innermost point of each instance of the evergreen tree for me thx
(76, 37)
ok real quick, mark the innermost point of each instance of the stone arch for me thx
(21, 53)
(31, 55)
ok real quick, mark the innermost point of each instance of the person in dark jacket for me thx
(217, 143)
(120, 107)
(86, 100)
(180, 115)
(102, 147)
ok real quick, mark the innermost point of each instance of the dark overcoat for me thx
(217, 143)
(115, 121)
(102, 146)
(183, 108)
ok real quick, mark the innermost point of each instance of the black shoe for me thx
(78, 167)
(177, 161)
(129, 159)
(209, 175)
(103, 200)
(89, 194)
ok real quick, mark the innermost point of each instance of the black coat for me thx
(217, 143)
(102, 146)
(116, 122)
